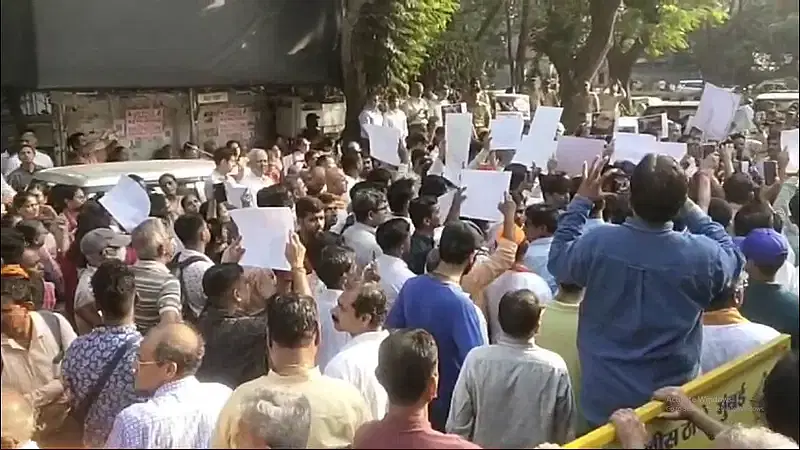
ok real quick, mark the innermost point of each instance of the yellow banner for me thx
(729, 394)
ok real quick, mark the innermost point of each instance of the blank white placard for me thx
(444, 203)
(626, 125)
(458, 136)
(127, 203)
(506, 131)
(633, 147)
(485, 190)
(265, 233)
(573, 151)
(716, 112)
(675, 149)
(538, 146)
(790, 140)
(383, 143)
(234, 193)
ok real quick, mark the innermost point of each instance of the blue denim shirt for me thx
(536, 259)
(639, 325)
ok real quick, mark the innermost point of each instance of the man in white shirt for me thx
(182, 411)
(370, 209)
(191, 263)
(394, 238)
(258, 177)
(395, 117)
(11, 162)
(335, 264)
(416, 108)
(225, 160)
(361, 313)
(518, 277)
(529, 384)
(727, 335)
(370, 115)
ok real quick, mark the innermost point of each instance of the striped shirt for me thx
(159, 291)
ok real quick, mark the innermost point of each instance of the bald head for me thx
(18, 420)
(336, 181)
(317, 178)
(176, 343)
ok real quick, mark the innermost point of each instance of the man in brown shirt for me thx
(407, 369)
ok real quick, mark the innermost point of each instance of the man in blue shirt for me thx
(646, 285)
(437, 304)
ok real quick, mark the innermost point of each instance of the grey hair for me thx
(149, 237)
(18, 423)
(741, 437)
(186, 352)
(281, 419)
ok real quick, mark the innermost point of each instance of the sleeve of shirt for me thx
(467, 330)
(484, 273)
(727, 262)
(568, 260)
(566, 414)
(461, 420)
(170, 298)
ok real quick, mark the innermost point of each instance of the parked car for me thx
(690, 86)
(100, 178)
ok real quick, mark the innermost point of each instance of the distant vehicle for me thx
(782, 100)
(772, 86)
(690, 86)
(676, 111)
(512, 103)
(100, 178)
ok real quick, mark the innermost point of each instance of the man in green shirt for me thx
(766, 301)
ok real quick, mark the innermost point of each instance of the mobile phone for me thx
(220, 196)
(770, 172)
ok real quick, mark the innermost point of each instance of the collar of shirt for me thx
(391, 262)
(39, 331)
(152, 265)
(175, 386)
(187, 253)
(640, 225)
(364, 227)
(519, 344)
(369, 336)
(542, 242)
(116, 329)
(727, 316)
(408, 422)
(295, 374)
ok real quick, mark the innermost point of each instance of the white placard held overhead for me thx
(485, 190)
(716, 112)
(626, 125)
(539, 145)
(127, 203)
(444, 203)
(506, 131)
(458, 137)
(675, 149)
(633, 147)
(790, 141)
(573, 151)
(235, 193)
(265, 233)
(383, 143)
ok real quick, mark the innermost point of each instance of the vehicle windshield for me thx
(691, 84)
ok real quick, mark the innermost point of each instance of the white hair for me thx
(18, 422)
(280, 419)
(149, 237)
(741, 437)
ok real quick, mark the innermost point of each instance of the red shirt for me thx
(398, 432)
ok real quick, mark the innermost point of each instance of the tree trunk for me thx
(523, 43)
(512, 72)
(354, 81)
(568, 91)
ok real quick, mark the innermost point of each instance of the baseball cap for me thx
(97, 240)
(765, 247)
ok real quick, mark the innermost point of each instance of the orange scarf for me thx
(14, 270)
(727, 316)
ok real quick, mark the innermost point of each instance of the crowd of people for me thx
(397, 325)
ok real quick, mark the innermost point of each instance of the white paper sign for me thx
(235, 193)
(790, 140)
(458, 136)
(626, 125)
(485, 190)
(265, 233)
(444, 203)
(675, 149)
(716, 112)
(573, 151)
(127, 203)
(506, 131)
(383, 143)
(539, 145)
(633, 147)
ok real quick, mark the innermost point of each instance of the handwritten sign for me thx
(144, 123)
(730, 394)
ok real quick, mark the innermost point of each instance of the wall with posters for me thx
(244, 118)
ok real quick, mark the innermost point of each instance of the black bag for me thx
(71, 432)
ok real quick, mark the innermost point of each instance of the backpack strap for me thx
(54, 324)
(187, 312)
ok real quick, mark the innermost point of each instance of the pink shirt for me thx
(398, 432)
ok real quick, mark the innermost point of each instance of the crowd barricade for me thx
(730, 394)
